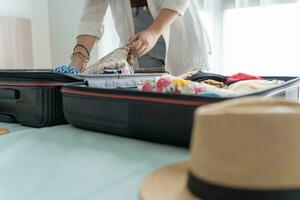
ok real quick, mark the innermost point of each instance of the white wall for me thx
(37, 11)
(64, 18)
(64, 22)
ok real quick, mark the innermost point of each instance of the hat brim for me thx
(168, 183)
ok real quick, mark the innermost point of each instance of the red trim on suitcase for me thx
(31, 84)
(127, 97)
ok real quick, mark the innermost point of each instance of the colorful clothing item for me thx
(174, 85)
(242, 77)
(66, 70)
(253, 85)
(211, 95)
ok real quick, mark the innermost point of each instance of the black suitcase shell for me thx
(155, 117)
(32, 97)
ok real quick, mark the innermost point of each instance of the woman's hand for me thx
(142, 42)
(77, 62)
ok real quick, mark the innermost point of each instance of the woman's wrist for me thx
(80, 56)
(155, 30)
(156, 33)
(77, 62)
(81, 52)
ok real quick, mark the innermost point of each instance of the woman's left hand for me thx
(142, 42)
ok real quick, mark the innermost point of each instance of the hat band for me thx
(207, 191)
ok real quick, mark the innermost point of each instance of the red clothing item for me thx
(242, 77)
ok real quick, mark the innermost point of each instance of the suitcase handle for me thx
(8, 104)
(9, 94)
(7, 118)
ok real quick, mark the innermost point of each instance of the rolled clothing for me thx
(251, 86)
(175, 85)
(242, 77)
(63, 69)
(116, 60)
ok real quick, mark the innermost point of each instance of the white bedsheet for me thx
(66, 163)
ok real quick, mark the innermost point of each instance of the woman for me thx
(140, 24)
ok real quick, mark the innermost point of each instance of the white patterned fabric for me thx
(117, 60)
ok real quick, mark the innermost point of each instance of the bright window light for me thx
(262, 40)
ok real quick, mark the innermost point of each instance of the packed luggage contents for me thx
(192, 83)
(175, 85)
(236, 85)
(116, 62)
(113, 81)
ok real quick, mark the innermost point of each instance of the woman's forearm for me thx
(165, 18)
(86, 41)
(142, 42)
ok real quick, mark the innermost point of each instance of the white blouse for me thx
(185, 39)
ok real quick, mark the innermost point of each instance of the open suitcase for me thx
(155, 117)
(32, 97)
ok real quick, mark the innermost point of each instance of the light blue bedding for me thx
(64, 163)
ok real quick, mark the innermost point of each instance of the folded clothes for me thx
(188, 75)
(115, 61)
(242, 77)
(113, 83)
(215, 83)
(174, 85)
(202, 76)
(253, 85)
(208, 95)
(66, 70)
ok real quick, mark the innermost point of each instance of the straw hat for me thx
(241, 149)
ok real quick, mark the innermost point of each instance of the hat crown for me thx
(248, 144)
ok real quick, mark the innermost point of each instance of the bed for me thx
(63, 162)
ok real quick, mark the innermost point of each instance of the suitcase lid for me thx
(42, 76)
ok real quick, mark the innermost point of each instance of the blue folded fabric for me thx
(66, 70)
(208, 95)
(114, 71)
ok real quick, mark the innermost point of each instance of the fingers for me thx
(141, 50)
(144, 52)
(133, 38)
(139, 44)
(130, 59)
(139, 47)
(136, 46)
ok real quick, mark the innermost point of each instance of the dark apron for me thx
(155, 59)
